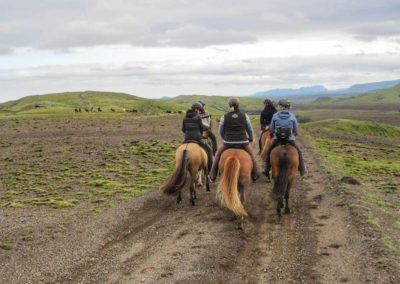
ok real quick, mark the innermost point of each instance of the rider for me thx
(193, 129)
(206, 119)
(266, 117)
(234, 128)
(284, 119)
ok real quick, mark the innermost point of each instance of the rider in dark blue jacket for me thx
(266, 117)
(284, 119)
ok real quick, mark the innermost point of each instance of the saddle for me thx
(235, 146)
(191, 141)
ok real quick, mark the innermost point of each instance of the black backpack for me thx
(283, 134)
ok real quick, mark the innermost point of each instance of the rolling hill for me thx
(388, 95)
(217, 104)
(67, 102)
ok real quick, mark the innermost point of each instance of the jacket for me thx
(284, 119)
(192, 126)
(206, 120)
(266, 115)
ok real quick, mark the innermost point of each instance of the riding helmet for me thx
(284, 102)
(202, 103)
(197, 106)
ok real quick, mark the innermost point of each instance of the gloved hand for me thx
(271, 134)
(250, 139)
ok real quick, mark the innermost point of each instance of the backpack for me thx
(283, 134)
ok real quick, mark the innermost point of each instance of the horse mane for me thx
(178, 178)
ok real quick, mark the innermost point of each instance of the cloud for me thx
(81, 23)
(5, 49)
(235, 77)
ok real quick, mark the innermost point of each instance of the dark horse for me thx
(190, 158)
(284, 162)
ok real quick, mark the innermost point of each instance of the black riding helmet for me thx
(197, 106)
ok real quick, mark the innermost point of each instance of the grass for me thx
(348, 126)
(130, 169)
(378, 168)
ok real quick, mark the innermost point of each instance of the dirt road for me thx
(161, 242)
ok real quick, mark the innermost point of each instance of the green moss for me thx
(389, 244)
(6, 246)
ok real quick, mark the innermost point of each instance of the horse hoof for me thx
(287, 211)
(192, 202)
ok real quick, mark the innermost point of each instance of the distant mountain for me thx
(317, 89)
(388, 95)
(309, 94)
(362, 88)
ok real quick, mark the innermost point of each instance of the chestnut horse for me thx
(284, 162)
(235, 167)
(190, 158)
(266, 141)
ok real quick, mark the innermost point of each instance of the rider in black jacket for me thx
(193, 129)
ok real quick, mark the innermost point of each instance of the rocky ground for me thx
(151, 239)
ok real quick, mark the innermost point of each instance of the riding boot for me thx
(214, 168)
(302, 167)
(209, 154)
(254, 173)
(259, 144)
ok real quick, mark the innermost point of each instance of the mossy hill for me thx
(62, 103)
(388, 95)
(218, 104)
(348, 126)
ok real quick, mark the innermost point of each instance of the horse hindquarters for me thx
(227, 190)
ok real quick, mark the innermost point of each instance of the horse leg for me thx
(207, 180)
(287, 209)
(279, 206)
(179, 198)
(192, 193)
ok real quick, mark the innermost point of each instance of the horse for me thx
(284, 162)
(235, 166)
(190, 158)
(266, 141)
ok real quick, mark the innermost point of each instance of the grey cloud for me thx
(5, 49)
(64, 24)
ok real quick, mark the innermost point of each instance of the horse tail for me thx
(178, 177)
(282, 180)
(227, 190)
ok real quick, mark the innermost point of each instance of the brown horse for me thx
(190, 158)
(235, 167)
(284, 162)
(266, 141)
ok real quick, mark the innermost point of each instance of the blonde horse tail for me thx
(178, 177)
(227, 190)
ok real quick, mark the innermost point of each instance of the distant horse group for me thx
(235, 168)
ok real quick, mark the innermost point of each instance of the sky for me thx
(155, 48)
